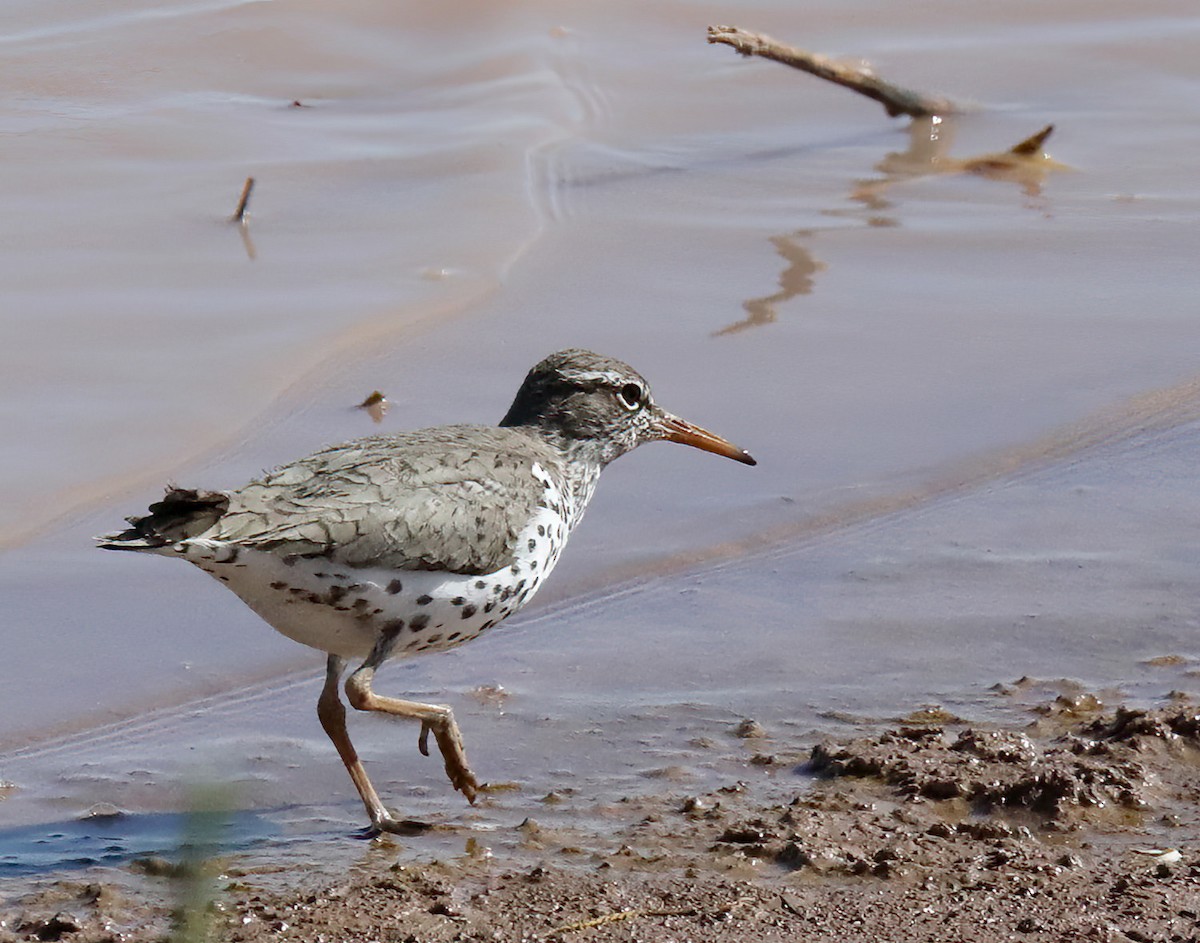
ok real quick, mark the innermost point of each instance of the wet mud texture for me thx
(1079, 826)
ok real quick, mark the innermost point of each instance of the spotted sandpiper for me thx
(393, 545)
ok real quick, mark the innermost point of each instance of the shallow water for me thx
(974, 401)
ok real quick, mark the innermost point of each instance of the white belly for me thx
(344, 610)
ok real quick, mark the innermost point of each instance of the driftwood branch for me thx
(895, 100)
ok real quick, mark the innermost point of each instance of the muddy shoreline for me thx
(1076, 823)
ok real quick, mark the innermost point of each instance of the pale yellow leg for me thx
(332, 715)
(434, 718)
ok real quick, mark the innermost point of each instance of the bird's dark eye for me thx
(631, 396)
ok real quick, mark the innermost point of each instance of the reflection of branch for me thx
(239, 217)
(1026, 163)
(895, 100)
(796, 279)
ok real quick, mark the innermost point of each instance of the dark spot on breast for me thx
(424, 601)
(390, 629)
(490, 606)
(434, 639)
(278, 584)
(341, 608)
(394, 587)
(223, 579)
(335, 594)
(532, 545)
(457, 601)
(533, 564)
(376, 612)
(506, 594)
(452, 636)
(342, 576)
(297, 590)
(321, 576)
(480, 584)
(541, 530)
(497, 587)
(486, 626)
(360, 603)
(418, 622)
(290, 559)
(468, 611)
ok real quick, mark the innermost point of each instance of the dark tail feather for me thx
(182, 513)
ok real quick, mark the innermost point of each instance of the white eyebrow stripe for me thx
(599, 377)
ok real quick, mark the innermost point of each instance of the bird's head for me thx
(602, 408)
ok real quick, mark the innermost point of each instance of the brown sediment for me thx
(1076, 826)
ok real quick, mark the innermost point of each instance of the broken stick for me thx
(895, 100)
(239, 215)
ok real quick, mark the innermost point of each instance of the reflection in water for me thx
(1025, 164)
(796, 279)
(251, 252)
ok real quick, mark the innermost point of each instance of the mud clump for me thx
(1008, 769)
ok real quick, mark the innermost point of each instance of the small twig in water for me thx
(239, 215)
(895, 100)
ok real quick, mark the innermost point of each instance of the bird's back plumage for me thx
(452, 498)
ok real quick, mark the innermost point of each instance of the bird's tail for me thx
(182, 513)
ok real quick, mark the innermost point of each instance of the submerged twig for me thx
(239, 215)
(895, 100)
(1032, 144)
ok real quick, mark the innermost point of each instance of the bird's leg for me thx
(434, 718)
(332, 715)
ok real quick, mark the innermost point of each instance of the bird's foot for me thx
(394, 826)
(449, 742)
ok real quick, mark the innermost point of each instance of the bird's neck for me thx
(580, 463)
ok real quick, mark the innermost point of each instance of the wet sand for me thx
(973, 400)
(1074, 824)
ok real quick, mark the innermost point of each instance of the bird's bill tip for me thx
(674, 429)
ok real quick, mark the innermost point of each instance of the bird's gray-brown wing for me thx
(452, 498)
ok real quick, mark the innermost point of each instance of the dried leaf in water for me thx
(376, 406)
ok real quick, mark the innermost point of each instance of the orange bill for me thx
(674, 429)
